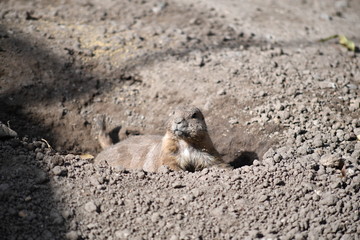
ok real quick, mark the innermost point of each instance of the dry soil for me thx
(281, 106)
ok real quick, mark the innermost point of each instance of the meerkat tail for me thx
(103, 137)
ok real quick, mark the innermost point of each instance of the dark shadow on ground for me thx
(28, 210)
(245, 158)
(114, 134)
(70, 83)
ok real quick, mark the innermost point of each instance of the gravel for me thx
(282, 107)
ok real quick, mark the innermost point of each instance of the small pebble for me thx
(331, 160)
(123, 234)
(72, 235)
(91, 207)
(263, 198)
(329, 199)
(59, 171)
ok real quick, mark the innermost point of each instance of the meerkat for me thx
(186, 146)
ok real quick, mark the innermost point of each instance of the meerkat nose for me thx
(178, 120)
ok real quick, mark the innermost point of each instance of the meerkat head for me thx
(187, 123)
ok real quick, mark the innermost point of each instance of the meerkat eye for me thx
(194, 115)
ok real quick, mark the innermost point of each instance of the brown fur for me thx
(186, 145)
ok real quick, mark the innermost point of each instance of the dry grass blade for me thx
(350, 45)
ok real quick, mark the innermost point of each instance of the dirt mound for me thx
(50, 196)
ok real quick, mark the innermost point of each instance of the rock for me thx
(332, 160)
(173, 237)
(196, 192)
(219, 211)
(122, 234)
(67, 213)
(6, 132)
(39, 156)
(94, 181)
(92, 225)
(357, 131)
(302, 150)
(326, 84)
(188, 197)
(308, 186)
(59, 171)
(255, 234)
(72, 235)
(277, 158)
(354, 105)
(206, 171)
(233, 121)
(256, 162)
(69, 157)
(159, 7)
(329, 199)
(164, 169)
(221, 92)
(155, 217)
(317, 142)
(56, 160)
(41, 177)
(269, 153)
(141, 175)
(346, 237)
(269, 161)
(23, 213)
(356, 154)
(263, 198)
(91, 207)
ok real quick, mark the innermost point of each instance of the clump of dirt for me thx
(281, 106)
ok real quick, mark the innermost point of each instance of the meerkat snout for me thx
(179, 126)
(178, 120)
(179, 129)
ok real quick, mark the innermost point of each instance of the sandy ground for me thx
(279, 104)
